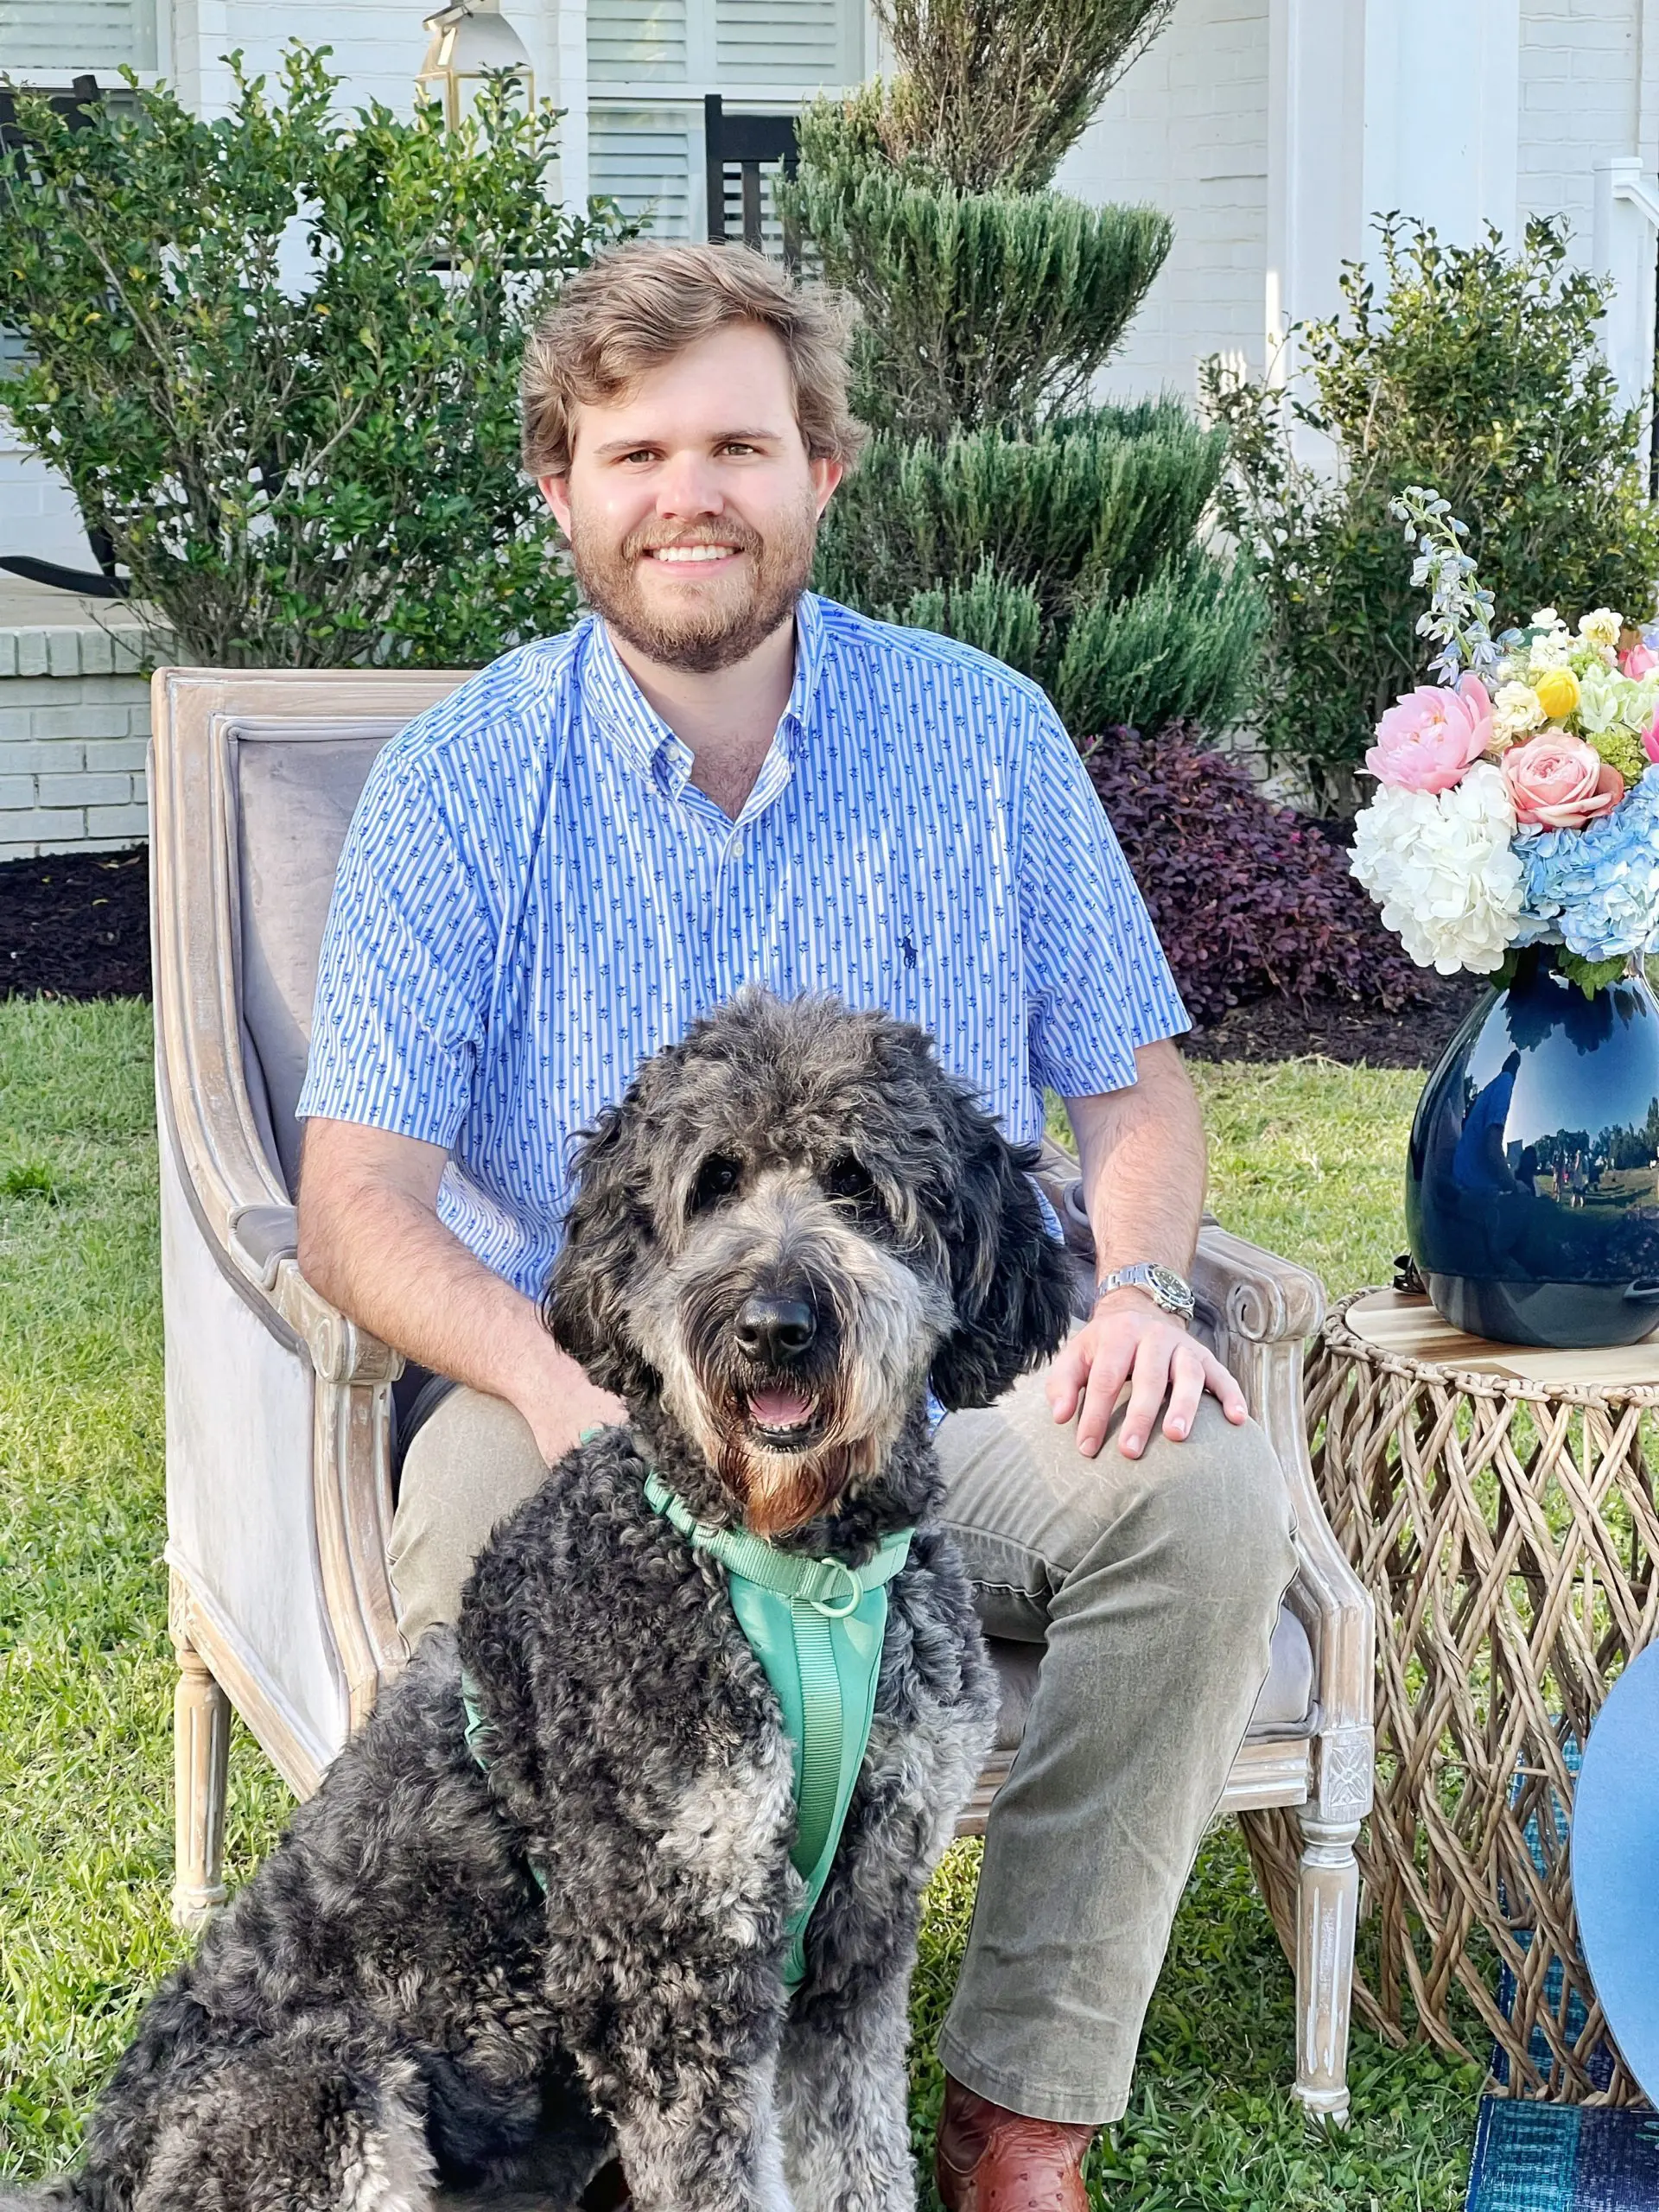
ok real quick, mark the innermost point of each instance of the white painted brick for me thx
(96, 657)
(31, 652)
(41, 826)
(16, 790)
(11, 852)
(62, 652)
(82, 790)
(7, 653)
(30, 758)
(126, 752)
(118, 824)
(81, 721)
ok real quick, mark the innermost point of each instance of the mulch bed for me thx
(76, 925)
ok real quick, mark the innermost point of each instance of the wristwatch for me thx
(1160, 1283)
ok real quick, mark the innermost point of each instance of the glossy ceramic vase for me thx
(1532, 1190)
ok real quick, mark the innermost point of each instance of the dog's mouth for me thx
(784, 1418)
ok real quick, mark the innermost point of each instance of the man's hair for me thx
(640, 305)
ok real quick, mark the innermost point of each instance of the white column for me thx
(1626, 227)
(1316, 107)
(1442, 113)
(570, 44)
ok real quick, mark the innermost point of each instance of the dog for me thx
(497, 1973)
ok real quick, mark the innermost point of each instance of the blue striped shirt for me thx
(533, 897)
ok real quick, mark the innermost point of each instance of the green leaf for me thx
(1590, 976)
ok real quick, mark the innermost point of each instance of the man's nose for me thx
(778, 1329)
(688, 486)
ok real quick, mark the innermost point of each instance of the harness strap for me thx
(816, 1626)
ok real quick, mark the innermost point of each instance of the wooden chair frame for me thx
(269, 1386)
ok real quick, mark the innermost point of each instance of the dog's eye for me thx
(847, 1179)
(716, 1180)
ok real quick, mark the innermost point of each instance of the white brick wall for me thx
(75, 723)
(1187, 130)
(1580, 94)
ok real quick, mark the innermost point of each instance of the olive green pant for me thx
(1155, 1585)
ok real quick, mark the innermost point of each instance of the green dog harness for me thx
(816, 1626)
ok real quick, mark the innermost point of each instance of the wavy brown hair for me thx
(642, 304)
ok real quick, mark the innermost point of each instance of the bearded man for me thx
(716, 778)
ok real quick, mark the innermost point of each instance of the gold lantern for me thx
(470, 40)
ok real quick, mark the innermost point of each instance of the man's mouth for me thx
(678, 555)
(784, 1419)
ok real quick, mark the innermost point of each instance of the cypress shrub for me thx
(995, 504)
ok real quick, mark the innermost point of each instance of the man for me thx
(714, 779)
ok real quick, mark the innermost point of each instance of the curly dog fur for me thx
(792, 1222)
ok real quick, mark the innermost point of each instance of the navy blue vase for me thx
(1532, 1188)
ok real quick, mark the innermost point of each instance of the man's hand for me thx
(1130, 1338)
(559, 1409)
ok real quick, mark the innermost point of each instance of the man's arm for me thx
(372, 1243)
(1142, 1155)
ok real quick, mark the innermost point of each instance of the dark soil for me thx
(76, 925)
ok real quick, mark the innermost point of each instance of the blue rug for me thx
(1537, 2158)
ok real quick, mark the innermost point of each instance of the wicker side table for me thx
(1499, 1505)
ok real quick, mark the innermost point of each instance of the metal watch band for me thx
(1166, 1289)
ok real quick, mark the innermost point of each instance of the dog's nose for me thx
(779, 1329)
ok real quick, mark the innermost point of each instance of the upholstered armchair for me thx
(279, 1466)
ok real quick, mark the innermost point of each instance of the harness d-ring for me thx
(856, 1595)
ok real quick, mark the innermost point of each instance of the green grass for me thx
(1305, 1158)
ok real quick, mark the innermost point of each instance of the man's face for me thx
(691, 507)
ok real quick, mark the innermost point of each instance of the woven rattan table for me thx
(1498, 1504)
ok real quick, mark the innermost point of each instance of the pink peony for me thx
(1651, 739)
(1430, 737)
(1637, 663)
(1559, 782)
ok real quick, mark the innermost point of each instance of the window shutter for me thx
(64, 38)
(804, 44)
(633, 41)
(641, 158)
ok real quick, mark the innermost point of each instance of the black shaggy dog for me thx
(485, 1977)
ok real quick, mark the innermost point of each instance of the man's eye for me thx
(847, 1179)
(717, 1179)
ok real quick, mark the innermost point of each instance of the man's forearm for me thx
(1143, 1156)
(385, 1259)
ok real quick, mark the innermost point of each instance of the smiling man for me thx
(717, 778)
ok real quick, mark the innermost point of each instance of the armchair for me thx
(278, 1407)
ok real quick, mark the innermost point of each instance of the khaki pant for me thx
(1155, 1585)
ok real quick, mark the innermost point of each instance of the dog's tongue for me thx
(781, 1408)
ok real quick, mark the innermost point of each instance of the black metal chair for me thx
(85, 93)
(748, 144)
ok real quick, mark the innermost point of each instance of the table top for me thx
(1409, 1328)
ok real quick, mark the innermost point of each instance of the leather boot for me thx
(986, 2159)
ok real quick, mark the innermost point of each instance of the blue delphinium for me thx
(1600, 886)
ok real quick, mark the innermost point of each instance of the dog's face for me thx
(792, 1223)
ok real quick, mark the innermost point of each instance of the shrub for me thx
(275, 356)
(1247, 897)
(993, 505)
(1477, 372)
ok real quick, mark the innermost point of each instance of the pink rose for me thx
(1430, 736)
(1559, 782)
(1637, 663)
(1651, 739)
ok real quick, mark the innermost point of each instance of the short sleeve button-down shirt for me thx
(534, 897)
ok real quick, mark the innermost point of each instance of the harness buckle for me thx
(855, 1594)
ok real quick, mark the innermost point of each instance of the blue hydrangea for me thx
(1599, 887)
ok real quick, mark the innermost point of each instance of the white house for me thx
(1271, 131)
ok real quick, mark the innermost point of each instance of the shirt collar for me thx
(621, 710)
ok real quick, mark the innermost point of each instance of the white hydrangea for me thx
(1550, 649)
(1601, 628)
(1438, 864)
(1515, 710)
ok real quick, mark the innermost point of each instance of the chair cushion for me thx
(295, 797)
(1284, 1707)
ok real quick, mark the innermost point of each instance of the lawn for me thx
(1305, 1158)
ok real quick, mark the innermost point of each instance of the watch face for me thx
(1169, 1288)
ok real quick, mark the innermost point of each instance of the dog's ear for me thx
(1010, 1279)
(606, 1230)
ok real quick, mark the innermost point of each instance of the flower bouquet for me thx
(1519, 798)
(1515, 833)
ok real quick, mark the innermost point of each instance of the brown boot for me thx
(986, 2159)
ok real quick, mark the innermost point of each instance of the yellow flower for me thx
(1558, 693)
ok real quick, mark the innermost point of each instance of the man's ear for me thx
(606, 1232)
(1010, 1279)
(826, 475)
(555, 490)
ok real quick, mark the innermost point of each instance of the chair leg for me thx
(201, 1745)
(1327, 1907)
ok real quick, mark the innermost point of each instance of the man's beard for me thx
(716, 637)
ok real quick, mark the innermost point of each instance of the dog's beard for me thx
(734, 619)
